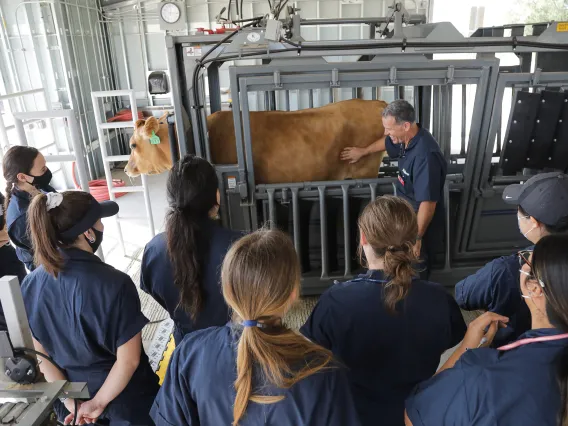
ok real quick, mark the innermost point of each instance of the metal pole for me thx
(464, 119)
(271, 209)
(20, 132)
(4, 142)
(346, 229)
(323, 232)
(86, 132)
(79, 151)
(296, 221)
(373, 187)
(148, 205)
(15, 312)
(145, 53)
(126, 67)
(9, 58)
(447, 260)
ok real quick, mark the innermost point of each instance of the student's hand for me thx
(88, 413)
(70, 405)
(352, 154)
(476, 330)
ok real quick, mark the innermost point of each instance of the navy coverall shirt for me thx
(157, 279)
(17, 222)
(386, 353)
(422, 172)
(487, 387)
(199, 389)
(497, 288)
(81, 318)
(9, 262)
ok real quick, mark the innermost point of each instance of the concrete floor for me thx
(133, 220)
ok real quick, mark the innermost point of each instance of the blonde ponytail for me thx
(260, 275)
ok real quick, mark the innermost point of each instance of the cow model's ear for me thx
(151, 125)
(139, 123)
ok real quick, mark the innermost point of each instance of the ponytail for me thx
(44, 236)
(278, 354)
(260, 275)
(390, 228)
(185, 249)
(8, 196)
(398, 268)
(192, 196)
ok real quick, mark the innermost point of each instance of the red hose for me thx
(99, 188)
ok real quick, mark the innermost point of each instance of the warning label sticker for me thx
(193, 51)
(562, 27)
(232, 182)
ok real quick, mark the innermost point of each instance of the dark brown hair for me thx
(260, 274)
(18, 159)
(390, 227)
(46, 226)
(550, 265)
(192, 193)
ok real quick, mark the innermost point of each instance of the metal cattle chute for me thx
(289, 75)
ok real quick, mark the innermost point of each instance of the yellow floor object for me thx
(163, 366)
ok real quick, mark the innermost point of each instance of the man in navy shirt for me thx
(422, 172)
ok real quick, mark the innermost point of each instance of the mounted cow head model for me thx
(150, 148)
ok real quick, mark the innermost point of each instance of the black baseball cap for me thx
(544, 197)
(95, 212)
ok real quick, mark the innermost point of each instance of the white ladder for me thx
(118, 158)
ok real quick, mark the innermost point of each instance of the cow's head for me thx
(147, 158)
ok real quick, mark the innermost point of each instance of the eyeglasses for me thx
(524, 257)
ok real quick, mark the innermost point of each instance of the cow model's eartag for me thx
(154, 139)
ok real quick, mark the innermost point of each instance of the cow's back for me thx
(303, 145)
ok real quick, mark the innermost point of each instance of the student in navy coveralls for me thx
(422, 172)
(523, 383)
(85, 314)
(26, 175)
(542, 210)
(9, 262)
(181, 267)
(387, 326)
(254, 371)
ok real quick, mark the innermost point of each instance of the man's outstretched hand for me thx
(352, 154)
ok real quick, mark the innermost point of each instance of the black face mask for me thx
(42, 182)
(98, 240)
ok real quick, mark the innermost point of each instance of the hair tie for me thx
(394, 249)
(54, 200)
(252, 323)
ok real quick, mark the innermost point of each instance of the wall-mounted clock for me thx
(170, 13)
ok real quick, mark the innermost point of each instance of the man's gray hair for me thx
(401, 110)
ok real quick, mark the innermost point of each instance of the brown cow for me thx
(146, 158)
(293, 146)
